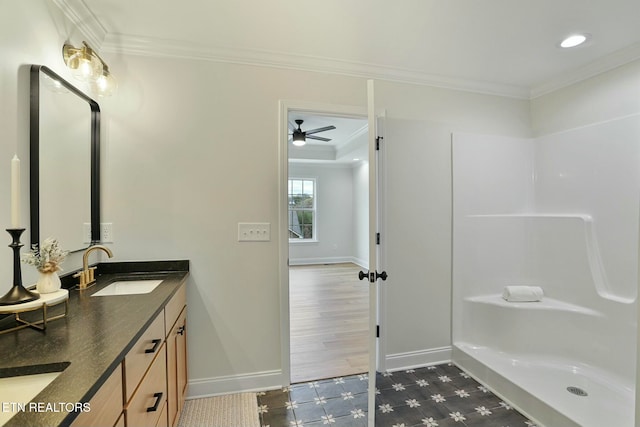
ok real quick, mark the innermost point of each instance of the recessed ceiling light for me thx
(574, 40)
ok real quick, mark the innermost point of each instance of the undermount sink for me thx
(19, 389)
(129, 287)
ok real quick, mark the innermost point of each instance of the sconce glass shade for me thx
(85, 66)
(106, 84)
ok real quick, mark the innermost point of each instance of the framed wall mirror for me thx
(64, 162)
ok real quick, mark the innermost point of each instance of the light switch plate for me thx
(106, 232)
(254, 231)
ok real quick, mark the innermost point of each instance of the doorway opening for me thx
(328, 244)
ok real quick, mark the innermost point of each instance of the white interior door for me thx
(373, 276)
(414, 305)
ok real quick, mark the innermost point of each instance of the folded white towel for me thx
(522, 293)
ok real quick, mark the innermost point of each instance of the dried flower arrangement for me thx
(47, 258)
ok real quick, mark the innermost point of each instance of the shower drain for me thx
(577, 391)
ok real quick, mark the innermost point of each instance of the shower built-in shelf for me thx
(584, 239)
(545, 304)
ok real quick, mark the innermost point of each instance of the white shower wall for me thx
(596, 170)
(561, 212)
(592, 172)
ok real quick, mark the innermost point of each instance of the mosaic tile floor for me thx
(436, 396)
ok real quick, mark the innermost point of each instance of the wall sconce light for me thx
(87, 66)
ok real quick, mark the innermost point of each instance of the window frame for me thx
(314, 210)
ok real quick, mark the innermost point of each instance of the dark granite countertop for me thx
(91, 340)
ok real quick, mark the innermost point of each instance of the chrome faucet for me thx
(87, 276)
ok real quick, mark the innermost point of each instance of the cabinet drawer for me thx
(137, 361)
(106, 404)
(162, 421)
(148, 402)
(174, 307)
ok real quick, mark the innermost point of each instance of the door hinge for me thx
(377, 238)
(377, 331)
(378, 138)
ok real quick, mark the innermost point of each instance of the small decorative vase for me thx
(48, 282)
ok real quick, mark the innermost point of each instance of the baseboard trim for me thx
(269, 380)
(255, 381)
(419, 358)
(326, 260)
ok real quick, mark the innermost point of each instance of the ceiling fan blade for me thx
(309, 132)
(319, 138)
(291, 125)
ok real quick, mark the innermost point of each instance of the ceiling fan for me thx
(299, 137)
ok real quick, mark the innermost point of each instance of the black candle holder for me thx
(18, 294)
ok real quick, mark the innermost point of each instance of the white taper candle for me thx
(15, 192)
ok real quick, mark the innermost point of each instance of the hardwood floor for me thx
(329, 312)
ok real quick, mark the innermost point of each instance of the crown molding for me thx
(351, 142)
(602, 65)
(142, 46)
(351, 139)
(84, 20)
(168, 48)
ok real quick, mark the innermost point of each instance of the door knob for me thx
(362, 275)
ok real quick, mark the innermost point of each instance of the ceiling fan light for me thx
(299, 139)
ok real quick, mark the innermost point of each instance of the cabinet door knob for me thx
(154, 408)
(180, 330)
(153, 349)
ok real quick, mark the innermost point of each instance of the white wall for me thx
(334, 215)
(361, 214)
(611, 95)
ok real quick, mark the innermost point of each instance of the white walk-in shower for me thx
(560, 212)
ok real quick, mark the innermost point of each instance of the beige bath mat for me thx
(231, 410)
